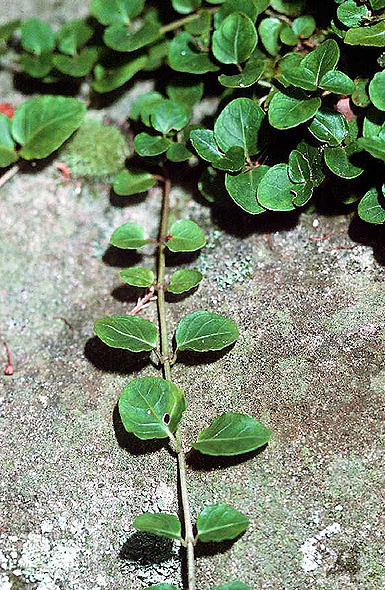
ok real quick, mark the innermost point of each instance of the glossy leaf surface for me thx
(160, 524)
(243, 187)
(8, 154)
(329, 126)
(151, 407)
(184, 56)
(203, 331)
(129, 236)
(220, 522)
(371, 208)
(291, 108)
(150, 145)
(232, 434)
(129, 183)
(274, 190)
(128, 332)
(235, 39)
(138, 276)
(42, 124)
(238, 125)
(185, 236)
(184, 280)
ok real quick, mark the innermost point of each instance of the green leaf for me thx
(314, 156)
(185, 92)
(269, 29)
(377, 4)
(300, 77)
(37, 66)
(371, 208)
(288, 7)
(160, 524)
(167, 115)
(243, 188)
(337, 82)
(185, 56)
(8, 154)
(78, 66)
(230, 586)
(291, 107)
(239, 125)
(143, 105)
(203, 331)
(185, 6)
(337, 159)
(150, 145)
(252, 71)
(8, 29)
(42, 124)
(128, 332)
(109, 12)
(299, 170)
(360, 96)
(162, 587)
(329, 126)
(37, 37)
(177, 152)
(151, 407)
(129, 183)
(373, 36)
(200, 26)
(232, 434)
(73, 35)
(377, 90)
(322, 59)
(232, 161)
(375, 146)
(235, 40)
(110, 79)
(220, 522)
(205, 144)
(287, 36)
(304, 26)
(247, 7)
(374, 124)
(302, 193)
(138, 276)
(120, 38)
(185, 236)
(156, 55)
(274, 191)
(183, 280)
(129, 236)
(351, 14)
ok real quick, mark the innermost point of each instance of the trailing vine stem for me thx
(189, 541)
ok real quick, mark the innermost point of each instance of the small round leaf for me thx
(243, 189)
(239, 125)
(220, 522)
(150, 145)
(138, 276)
(203, 331)
(185, 236)
(232, 434)
(377, 90)
(160, 524)
(129, 236)
(129, 183)
(371, 208)
(151, 407)
(167, 115)
(128, 332)
(184, 280)
(235, 40)
(274, 190)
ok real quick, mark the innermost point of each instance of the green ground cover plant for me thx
(298, 89)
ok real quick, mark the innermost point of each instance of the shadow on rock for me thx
(191, 358)
(131, 443)
(145, 549)
(200, 462)
(125, 293)
(121, 258)
(113, 360)
(371, 235)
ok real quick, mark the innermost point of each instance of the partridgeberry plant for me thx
(153, 407)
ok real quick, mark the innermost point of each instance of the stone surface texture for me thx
(309, 364)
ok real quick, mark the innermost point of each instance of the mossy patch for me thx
(96, 150)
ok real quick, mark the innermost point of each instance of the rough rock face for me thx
(309, 364)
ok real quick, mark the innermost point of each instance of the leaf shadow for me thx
(131, 443)
(121, 202)
(191, 358)
(126, 293)
(200, 462)
(177, 297)
(121, 258)
(114, 360)
(145, 549)
(213, 548)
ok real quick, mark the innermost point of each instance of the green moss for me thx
(96, 150)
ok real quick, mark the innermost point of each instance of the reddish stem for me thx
(9, 368)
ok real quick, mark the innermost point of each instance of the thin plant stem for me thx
(176, 24)
(9, 174)
(166, 360)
